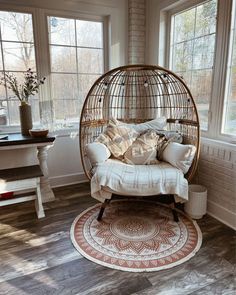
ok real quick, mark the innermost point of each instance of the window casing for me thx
(216, 87)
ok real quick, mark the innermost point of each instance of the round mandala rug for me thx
(135, 236)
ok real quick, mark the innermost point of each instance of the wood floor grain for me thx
(37, 256)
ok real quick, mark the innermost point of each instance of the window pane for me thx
(61, 31)
(204, 48)
(3, 113)
(187, 76)
(2, 92)
(85, 83)
(184, 26)
(34, 102)
(233, 49)
(89, 34)
(16, 26)
(201, 90)
(14, 116)
(18, 56)
(193, 50)
(63, 59)
(64, 86)
(90, 60)
(230, 109)
(67, 110)
(206, 18)
(182, 56)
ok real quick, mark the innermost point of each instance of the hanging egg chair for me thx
(135, 94)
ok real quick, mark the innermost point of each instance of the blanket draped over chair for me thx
(114, 176)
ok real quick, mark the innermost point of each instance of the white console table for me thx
(18, 141)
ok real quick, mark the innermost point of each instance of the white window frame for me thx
(216, 104)
(42, 51)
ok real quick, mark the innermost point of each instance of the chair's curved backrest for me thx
(135, 94)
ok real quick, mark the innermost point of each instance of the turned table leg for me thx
(46, 191)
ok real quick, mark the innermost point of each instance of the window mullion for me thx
(43, 64)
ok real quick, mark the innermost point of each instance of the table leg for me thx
(46, 191)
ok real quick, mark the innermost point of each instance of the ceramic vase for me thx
(25, 118)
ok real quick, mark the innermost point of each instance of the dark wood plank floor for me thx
(37, 257)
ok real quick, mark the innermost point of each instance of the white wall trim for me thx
(69, 179)
(222, 214)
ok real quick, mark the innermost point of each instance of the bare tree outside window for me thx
(192, 52)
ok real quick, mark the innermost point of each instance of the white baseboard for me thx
(64, 180)
(222, 214)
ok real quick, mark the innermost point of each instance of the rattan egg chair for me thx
(136, 94)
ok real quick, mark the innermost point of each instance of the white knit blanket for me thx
(114, 176)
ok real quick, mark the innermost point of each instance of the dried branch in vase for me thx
(24, 90)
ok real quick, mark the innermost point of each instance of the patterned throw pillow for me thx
(143, 151)
(117, 139)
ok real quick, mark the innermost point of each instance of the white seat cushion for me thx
(114, 176)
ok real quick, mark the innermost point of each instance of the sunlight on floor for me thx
(2, 185)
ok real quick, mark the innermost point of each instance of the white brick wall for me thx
(217, 171)
(137, 31)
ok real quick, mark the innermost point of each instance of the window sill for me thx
(228, 145)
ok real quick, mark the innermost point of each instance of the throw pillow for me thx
(97, 153)
(179, 155)
(143, 150)
(117, 139)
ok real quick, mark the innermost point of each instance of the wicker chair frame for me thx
(136, 94)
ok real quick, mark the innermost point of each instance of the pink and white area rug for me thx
(135, 236)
